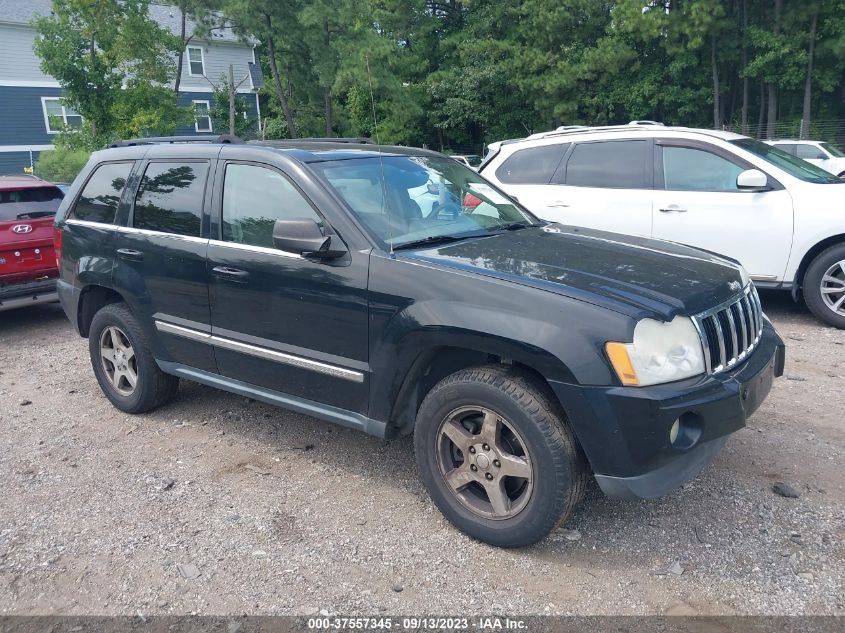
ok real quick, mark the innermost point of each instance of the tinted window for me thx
(170, 198)
(809, 151)
(27, 204)
(253, 199)
(532, 166)
(615, 164)
(98, 201)
(789, 148)
(688, 169)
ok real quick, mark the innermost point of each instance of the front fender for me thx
(418, 309)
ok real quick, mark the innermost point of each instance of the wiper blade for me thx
(437, 239)
(31, 215)
(513, 226)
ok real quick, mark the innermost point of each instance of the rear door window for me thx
(610, 164)
(28, 204)
(101, 195)
(789, 148)
(532, 166)
(810, 152)
(170, 198)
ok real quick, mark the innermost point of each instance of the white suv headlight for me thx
(661, 352)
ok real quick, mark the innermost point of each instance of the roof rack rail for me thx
(206, 138)
(646, 122)
(314, 139)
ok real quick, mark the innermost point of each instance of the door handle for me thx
(673, 208)
(230, 274)
(130, 254)
(558, 203)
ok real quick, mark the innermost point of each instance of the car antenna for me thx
(380, 158)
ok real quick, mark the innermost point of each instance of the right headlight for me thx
(661, 352)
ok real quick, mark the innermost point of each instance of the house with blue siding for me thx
(30, 100)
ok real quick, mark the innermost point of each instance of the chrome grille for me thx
(729, 332)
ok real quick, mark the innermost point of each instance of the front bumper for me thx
(624, 431)
(27, 294)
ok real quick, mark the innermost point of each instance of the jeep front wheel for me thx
(497, 456)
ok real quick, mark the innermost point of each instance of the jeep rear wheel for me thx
(497, 456)
(824, 286)
(123, 363)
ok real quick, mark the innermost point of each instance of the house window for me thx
(196, 61)
(202, 122)
(57, 115)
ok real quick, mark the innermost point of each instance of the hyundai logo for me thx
(22, 228)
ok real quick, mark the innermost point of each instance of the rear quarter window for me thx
(532, 166)
(101, 194)
(28, 204)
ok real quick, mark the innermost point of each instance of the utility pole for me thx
(232, 89)
(232, 99)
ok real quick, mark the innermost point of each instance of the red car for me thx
(27, 258)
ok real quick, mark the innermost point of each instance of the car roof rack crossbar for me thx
(205, 138)
(314, 139)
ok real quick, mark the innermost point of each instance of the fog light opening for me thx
(686, 431)
(673, 432)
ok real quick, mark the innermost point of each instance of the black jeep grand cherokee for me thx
(393, 290)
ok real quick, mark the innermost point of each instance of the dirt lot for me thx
(215, 504)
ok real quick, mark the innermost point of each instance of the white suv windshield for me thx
(405, 200)
(832, 150)
(792, 165)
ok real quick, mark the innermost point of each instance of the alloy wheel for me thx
(485, 462)
(833, 288)
(118, 360)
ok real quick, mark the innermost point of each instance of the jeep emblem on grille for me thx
(22, 228)
(735, 286)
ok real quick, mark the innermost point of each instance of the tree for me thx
(114, 64)
(200, 13)
(271, 21)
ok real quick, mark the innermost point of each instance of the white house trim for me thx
(191, 73)
(25, 148)
(208, 115)
(211, 88)
(29, 84)
(44, 101)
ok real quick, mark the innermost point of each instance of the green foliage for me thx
(113, 63)
(456, 74)
(60, 164)
(245, 125)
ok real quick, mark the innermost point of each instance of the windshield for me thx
(28, 204)
(833, 150)
(792, 165)
(422, 198)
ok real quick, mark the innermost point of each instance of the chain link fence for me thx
(830, 130)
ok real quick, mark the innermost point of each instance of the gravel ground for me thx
(218, 505)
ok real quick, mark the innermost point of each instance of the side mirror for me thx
(304, 236)
(752, 180)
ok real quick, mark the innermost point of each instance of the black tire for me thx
(549, 443)
(813, 281)
(153, 387)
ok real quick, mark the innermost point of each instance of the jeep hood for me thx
(636, 276)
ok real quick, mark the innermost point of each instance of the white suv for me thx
(781, 217)
(819, 153)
